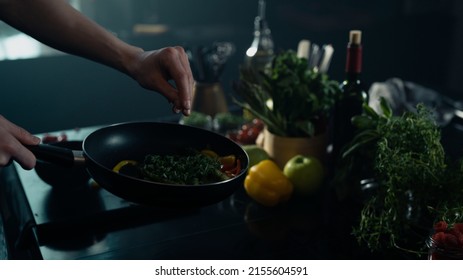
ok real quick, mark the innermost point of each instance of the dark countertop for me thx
(42, 222)
(90, 223)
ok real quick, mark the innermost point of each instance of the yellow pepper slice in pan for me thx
(267, 184)
(123, 163)
(209, 153)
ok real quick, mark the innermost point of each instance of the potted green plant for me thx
(294, 102)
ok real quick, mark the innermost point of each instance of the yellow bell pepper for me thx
(267, 184)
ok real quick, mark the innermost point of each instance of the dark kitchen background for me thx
(44, 90)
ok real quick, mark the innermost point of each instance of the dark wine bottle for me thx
(352, 97)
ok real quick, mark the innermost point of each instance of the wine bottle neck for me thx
(353, 77)
(354, 59)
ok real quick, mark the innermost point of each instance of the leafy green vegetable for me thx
(197, 119)
(416, 184)
(190, 169)
(225, 121)
(301, 98)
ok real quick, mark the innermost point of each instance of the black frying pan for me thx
(105, 147)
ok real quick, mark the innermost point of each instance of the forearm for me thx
(59, 25)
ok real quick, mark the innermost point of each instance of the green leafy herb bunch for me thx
(289, 97)
(417, 185)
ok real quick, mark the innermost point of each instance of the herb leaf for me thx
(302, 98)
(416, 183)
(191, 169)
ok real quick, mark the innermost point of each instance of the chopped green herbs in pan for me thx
(191, 168)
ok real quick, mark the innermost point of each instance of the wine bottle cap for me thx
(355, 37)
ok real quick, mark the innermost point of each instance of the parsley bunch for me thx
(301, 98)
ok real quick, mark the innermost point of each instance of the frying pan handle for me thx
(57, 155)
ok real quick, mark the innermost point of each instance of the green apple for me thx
(255, 153)
(305, 172)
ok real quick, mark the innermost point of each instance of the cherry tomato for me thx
(63, 137)
(47, 138)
